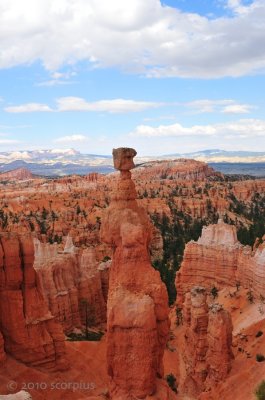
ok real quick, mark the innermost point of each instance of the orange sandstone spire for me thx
(137, 310)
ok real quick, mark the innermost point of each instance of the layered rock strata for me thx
(137, 309)
(208, 340)
(73, 284)
(218, 259)
(30, 332)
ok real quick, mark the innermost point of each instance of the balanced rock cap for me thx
(123, 158)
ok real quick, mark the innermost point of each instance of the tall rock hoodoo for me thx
(137, 309)
(219, 337)
(196, 319)
(29, 330)
(208, 342)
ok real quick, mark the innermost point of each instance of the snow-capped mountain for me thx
(38, 155)
(53, 162)
(58, 162)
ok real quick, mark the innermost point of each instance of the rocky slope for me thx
(179, 169)
(20, 174)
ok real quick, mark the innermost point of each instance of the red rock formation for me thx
(218, 259)
(180, 169)
(104, 268)
(156, 245)
(137, 307)
(251, 270)
(245, 190)
(72, 284)
(57, 277)
(219, 337)
(16, 174)
(30, 333)
(90, 288)
(196, 342)
(208, 341)
(212, 260)
(2, 350)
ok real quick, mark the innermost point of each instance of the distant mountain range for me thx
(55, 162)
(69, 161)
(217, 155)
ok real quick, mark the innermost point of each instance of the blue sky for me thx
(164, 78)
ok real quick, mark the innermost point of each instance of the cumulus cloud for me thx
(71, 139)
(78, 104)
(243, 128)
(138, 36)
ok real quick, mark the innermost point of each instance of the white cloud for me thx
(8, 141)
(172, 130)
(243, 128)
(138, 36)
(237, 6)
(59, 78)
(226, 106)
(78, 104)
(207, 106)
(71, 139)
(29, 107)
(111, 106)
(237, 109)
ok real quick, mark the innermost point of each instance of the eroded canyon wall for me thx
(29, 330)
(218, 259)
(74, 284)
